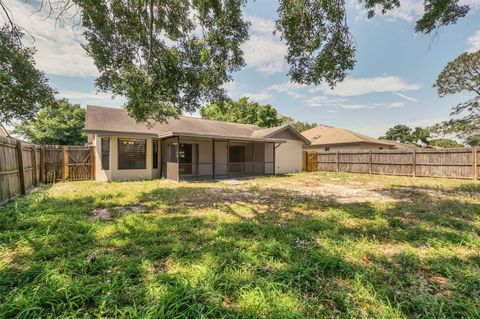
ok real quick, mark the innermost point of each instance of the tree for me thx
(473, 140)
(445, 143)
(242, 111)
(23, 88)
(167, 57)
(60, 124)
(399, 133)
(404, 134)
(462, 75)
(298, 125)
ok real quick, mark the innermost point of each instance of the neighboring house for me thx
(328, 138)
(188, 148)
(3, 131)
(399, 145)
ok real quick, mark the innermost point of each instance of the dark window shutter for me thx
(105, 153)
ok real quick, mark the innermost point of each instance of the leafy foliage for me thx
(445, 143)
(169, 57)
(404, 134)
(462, 75)
(298, 125)
(59, 124)
(23, 88)
(242, 111)
(164, 56)
(473, 140)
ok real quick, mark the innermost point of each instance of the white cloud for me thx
(406, 97)
(394, 105)
(361, 86)
(325, 101)
(425, 122)
(264, 52)
(286, 87)
(409, 10)
(474, 42)
(75, 95)
(260, 96)
(58, 48)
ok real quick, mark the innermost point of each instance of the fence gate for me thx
(310, 161)
(72, 163)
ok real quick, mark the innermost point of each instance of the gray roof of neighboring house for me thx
(111, 120)
(328, 135)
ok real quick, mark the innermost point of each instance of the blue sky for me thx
(391, 83)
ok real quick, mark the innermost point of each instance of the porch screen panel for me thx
(221, 158)
(269, 158)
(155, 153)
(170, 158)
(132, 154)
(258, 158)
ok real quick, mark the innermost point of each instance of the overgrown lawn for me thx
(267, 248)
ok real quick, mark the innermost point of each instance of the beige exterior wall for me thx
(204, 154)
(288, 157)
(115, 174)
(346, 147)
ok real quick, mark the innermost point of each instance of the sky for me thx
(391, 82)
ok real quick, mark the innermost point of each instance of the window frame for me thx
(103, 153)
(120, 153)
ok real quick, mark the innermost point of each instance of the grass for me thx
(269, 248)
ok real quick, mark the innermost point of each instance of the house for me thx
(328, 138)
(398, 145)
(188, 148)
(3, 131)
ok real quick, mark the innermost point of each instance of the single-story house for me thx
(328, 138)
(188, 148)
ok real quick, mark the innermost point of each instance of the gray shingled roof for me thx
(111, 120)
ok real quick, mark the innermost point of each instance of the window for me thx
(105, 148)
(132, 154)
(327, 149)
(155, 154)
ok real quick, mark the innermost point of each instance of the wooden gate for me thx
(69, 163)
(310, 161)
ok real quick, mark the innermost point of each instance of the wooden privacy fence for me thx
(461, 163)
(24, 165)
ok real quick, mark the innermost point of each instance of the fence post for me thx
(34, 165)
(65, 164)
(370, 161)
(43, 173)
(21, 172)
(414, 163)
(92, 159)
(338, 162)
(475, 163)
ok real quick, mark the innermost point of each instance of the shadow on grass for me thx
(230, 253)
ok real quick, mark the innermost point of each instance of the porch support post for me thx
(228, 158)
(178, 158)
(274, 163)
(213, 158)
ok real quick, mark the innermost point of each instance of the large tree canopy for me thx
(404, 134)
(23, 88)
(167, 57)
(60, 123)
(242, 111)
(462, 75)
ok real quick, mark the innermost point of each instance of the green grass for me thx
(259, 250)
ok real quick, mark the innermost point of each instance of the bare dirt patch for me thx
(101, 214)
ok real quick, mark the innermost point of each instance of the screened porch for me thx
(187, 158)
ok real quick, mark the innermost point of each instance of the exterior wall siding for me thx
(115, 174)
(288, 157)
